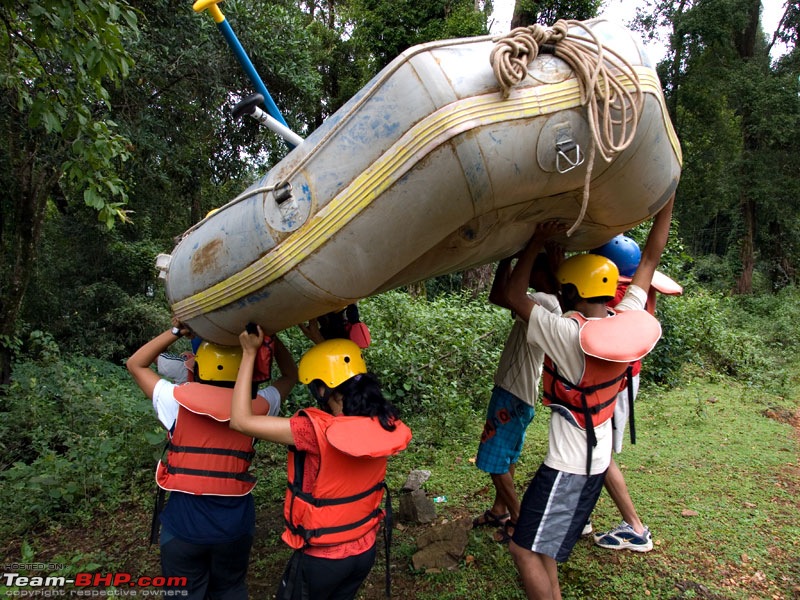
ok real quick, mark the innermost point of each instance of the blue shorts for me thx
(554, 510)
(504, 432)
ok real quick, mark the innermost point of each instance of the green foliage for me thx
(61, 146)
(707, 333)
(385, 29)
(736, 112)
(94, 290)
(60, 61)
(547, 12)
(73, 434)
(435, 357)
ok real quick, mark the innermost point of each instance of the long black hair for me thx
(362, 397)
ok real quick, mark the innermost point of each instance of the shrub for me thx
(749, 338)
(73, 433)
(436, 359)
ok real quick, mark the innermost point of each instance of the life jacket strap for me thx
(591, 438)
(243, 476)
(583, 407)
(318, 502)
(308, 534)
(248, 456)
(387, 538)
(158, 506)
(631, 420)
(589, 389)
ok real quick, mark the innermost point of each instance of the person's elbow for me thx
(521, 306)
(498, 298)
(134, 364)
(238, 422)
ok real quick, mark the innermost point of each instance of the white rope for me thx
(610, 106)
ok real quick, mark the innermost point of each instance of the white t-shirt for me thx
(559, 338)
(520, 365)
(166, 406)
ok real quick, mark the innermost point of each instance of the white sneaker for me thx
(587, 529)
(623, 537)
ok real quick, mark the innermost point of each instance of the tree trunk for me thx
(744, 284)
(20, 231)
(522, 17)
(477, 279)
(744, 42)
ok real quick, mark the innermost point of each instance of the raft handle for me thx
(564, 149)
(283, 192)
(287, 203)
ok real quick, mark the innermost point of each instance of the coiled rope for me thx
(613, 110)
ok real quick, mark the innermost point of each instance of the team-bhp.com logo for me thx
(87, 584)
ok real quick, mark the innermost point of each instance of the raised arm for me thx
(497, 295)
(654, 247)
(517, 289)
(311, 331)
(272, 429)
(287, 367)
(139, 363)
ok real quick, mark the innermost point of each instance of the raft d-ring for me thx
(568, 155)
(282, 192)
(287, 203)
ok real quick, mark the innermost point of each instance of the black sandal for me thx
(503, 535)
(489, 519)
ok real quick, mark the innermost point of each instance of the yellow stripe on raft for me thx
(427, 135)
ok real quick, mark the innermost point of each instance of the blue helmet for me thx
(623, 252)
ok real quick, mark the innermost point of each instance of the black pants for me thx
(213, 571)
(312, 578)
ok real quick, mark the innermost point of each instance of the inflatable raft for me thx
(433, 167)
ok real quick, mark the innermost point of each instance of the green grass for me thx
(715, 473)
(713, 477)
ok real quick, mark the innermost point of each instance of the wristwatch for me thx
(176, 331)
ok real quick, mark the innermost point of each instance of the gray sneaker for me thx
(623, 537)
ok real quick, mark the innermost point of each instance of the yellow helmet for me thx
(593, 275)
(218, 363)
(332, 361)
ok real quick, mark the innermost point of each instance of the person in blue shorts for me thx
(511, 407)
(587, 353)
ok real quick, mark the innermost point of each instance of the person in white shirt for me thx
(587, 355)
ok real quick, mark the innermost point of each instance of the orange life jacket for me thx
(609, 346)
(344, 502)
(204, 455)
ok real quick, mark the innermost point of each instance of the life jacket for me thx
(660, 284)
(609, 345)
(344, 502)
(204, 455)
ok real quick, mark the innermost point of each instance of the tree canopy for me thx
(736, 111)
(61, 61)
(122, 111)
